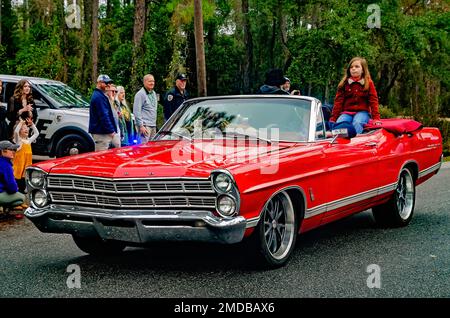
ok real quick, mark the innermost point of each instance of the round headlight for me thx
(40, 198)
(223, 182)
(37, 178)
(226, 205)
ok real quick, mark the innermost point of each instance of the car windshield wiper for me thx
(170, 132)
(246, 135)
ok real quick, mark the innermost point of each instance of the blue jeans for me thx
(358, 120)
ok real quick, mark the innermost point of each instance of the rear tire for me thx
(398, 211)
(275, 236)
(98, 247)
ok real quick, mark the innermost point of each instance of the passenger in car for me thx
(356, 98)
(272, 83)
(21, 105)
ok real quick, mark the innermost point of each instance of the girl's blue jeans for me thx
(358, 120)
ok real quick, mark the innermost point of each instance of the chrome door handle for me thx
(371, 144)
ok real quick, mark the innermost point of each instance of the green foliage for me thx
(312, 41)
(385, 112)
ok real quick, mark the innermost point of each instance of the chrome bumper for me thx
(138, 226)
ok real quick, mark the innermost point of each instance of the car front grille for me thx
(132, 193)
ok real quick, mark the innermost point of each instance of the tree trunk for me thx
(1, 23)
(26, 16)
(282, 18)
(86, 56)
(199, 48)
(138, 34)
(213, 88)
(387, 80)
(95, 40)
(248, 42)
(272, 44)
(63, 35)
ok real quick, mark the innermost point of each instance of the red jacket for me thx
(352, 98)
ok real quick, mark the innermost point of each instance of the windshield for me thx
(62, 95)
(262, 118)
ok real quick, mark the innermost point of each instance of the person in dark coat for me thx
(175, 96)
(272, 84)
(102, 124)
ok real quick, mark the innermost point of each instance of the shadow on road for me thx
(200, 257)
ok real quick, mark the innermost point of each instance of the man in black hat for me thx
(273, 82)
(175, 96)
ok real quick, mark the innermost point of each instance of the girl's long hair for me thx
(18, 91)
(365, 74)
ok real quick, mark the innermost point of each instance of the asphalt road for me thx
(327, 262)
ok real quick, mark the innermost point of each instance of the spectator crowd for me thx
(113, 123)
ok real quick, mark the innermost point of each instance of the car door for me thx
(353, 170)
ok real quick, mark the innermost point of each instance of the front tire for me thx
(275, 236)
(71, 145)
(398, 211)
(98, 247)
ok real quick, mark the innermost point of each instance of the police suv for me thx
(63, 116)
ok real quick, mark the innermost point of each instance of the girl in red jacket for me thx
(356, 98)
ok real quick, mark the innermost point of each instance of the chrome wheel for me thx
(279, 226)
(398, 211)
(405, 194)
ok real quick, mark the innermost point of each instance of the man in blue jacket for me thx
(9, 195)
(101, 119)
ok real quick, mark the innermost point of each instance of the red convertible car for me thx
(227, 169)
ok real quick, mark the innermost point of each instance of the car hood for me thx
(84, 112)
(163, 159)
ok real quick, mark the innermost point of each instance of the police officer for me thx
(175, 96)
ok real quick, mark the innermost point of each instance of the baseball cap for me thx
(6, 144)
(181, 76)
(104, 78)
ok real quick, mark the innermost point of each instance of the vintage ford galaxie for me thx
(260, 169)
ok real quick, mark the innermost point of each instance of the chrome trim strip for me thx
(126, 186)
(329, 206)
(127, 179)
(254, 221)
(388, 188)
(95, 200)
(430, 169)
(144, 227)
(316, 210)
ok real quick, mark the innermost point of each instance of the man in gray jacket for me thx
(145, 109)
